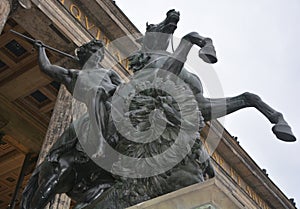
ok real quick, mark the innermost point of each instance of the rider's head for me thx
(94, 47)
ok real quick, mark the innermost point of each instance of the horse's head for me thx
(157, 36)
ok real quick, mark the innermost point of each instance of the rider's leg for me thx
(52, 180)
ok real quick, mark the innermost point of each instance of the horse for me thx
(159, 64)
(156, 41)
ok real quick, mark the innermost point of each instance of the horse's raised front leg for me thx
(207, 52)
(176, 61)
(215, 108)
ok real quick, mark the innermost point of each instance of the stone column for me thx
(4, 12)
(61, 118)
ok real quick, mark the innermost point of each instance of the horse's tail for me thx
(30, 189)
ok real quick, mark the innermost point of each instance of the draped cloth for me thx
(94, 87)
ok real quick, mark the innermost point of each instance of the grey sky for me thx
(257, 44)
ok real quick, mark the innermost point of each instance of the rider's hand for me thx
(38, 44)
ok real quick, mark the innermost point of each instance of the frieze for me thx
(81, 17)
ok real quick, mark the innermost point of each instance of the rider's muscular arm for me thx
(59, 74)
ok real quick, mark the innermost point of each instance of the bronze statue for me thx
(69, 169)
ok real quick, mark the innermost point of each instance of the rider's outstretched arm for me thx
(59, 74)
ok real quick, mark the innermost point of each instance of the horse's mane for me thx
(138, 60)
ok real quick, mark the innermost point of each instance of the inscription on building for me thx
(94, 30)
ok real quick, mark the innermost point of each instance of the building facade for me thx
(35, 109)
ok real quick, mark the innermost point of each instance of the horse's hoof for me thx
(284, 132)
(208, 54)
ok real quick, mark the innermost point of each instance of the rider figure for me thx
(89, 54)
(61, 162)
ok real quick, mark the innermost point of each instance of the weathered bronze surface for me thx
(70, 168)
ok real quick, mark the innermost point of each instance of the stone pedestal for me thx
(211, 194)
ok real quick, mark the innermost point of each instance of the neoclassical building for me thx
(35, 109)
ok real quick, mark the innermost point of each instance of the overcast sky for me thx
(257, 44)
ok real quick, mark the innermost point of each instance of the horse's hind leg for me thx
(281, 128)
(215, 108)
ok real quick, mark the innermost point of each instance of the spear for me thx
(44, 45)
